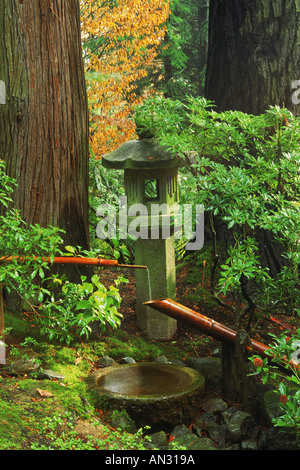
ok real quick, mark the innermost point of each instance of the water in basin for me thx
(145, 380)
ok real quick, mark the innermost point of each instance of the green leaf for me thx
(83, 304)
(34, 273)
(41, 273)
(70, 249)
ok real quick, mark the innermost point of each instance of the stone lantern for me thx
(151, 194)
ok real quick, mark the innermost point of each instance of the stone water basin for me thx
(151, 393)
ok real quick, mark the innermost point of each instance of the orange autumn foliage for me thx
(131, 32)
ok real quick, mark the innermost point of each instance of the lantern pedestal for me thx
(151, 186)
(159, 256)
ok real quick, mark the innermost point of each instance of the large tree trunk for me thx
(253, 59)
(202, 18)
(44, 123)
(253, 55)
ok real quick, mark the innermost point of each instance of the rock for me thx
(191, 442)
(217, 352)
(221, 444)
(105, 361)
(181, 430)
(214, 404)
(21, 367)
(262, 439)
(202, 422)
(210, 368)
(205, 418)
(242, 426)
(158, 441)
(49, 375)
(219, 427)
(178, 362)
(161, 360)
(296, 355)
(184, 438)
(122, 420)
(28, 362)
(217, 432)
(127, 360)
(227, 415)
(233, 446)
(206, 423)
(249, 444)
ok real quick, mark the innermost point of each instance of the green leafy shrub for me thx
(23, 249)
(59, 430)
(283, 371)
(77, 307)
(26, 254)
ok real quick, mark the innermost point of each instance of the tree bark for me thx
(202, 18)
(44, 123)
(253, 59)
(253, 55)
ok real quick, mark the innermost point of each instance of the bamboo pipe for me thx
(197, 320)
(94, 262)
(79, 261)
(210, 327)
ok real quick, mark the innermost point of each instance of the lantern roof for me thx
(140, 154)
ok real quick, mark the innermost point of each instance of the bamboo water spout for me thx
(95, 262)
(77, 261)
(210, 327)
(206, 325)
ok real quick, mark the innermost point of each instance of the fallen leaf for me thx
(45, 393)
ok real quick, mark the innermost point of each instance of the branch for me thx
(223, 304)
